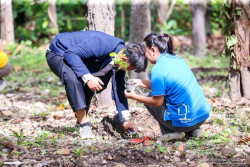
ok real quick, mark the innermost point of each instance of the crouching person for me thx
(176, 101)
(5, 69)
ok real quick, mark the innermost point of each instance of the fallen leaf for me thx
(148, 142)
(58, 116)
(172, 148)
(181, 147)
(248, 161)
(244, 140)
(63, 97)
(17, 68)
(60, 107)
(18, 121)
(7, 113)
(28, 132)
(203, 165)
(63, 151)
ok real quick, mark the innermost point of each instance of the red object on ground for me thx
(136, 140)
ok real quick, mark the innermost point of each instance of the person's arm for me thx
(142, 83)
(155, 101)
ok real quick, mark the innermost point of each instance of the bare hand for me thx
(94, 84)
(137, 82)
(128, 126)
(131, 94)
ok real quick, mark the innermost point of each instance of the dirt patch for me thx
(144, 124)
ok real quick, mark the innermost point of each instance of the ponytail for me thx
(164, 42)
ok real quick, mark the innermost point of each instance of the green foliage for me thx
(171, 27)
(229, 30)
(122, 64)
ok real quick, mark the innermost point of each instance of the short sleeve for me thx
(157, 84)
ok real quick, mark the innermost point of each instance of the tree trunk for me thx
(234, 81)
(242, 46)
(101, 18)
(209, 12)
(198, 32)
(7, 25)
(53, 18)
(140, 26)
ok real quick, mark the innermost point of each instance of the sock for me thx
(85, 124)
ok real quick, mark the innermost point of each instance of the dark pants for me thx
(166, 126)
(79, 96)
(6, 70)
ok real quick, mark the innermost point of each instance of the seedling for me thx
(122, 64)
(43, 152)
(17, 153)
(53, 141)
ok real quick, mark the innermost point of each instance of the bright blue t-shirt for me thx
(185, 101)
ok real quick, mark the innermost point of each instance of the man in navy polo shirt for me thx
(81, 60)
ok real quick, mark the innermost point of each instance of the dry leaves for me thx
(60, 107)
(181, 148)
(148, 142)
(64, 151)
(17, 68)
(244, 140)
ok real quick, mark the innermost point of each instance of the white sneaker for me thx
(196, 133)
(171, 136)
(2, 85)
(86, 132)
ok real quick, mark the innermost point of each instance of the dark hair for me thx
(164, 42)
(136, 54)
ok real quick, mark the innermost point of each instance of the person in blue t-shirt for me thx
(81, 60)
(176, 101)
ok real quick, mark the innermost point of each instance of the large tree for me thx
(198, 25)
(236, 32)
(140, 26)
(101, 18)
(7, 25)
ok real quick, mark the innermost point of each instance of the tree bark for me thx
(101, 18)
(242, 46)
(53, 18)
(198, 32)
(7, 24)
(209, 12)
(234, 82)
(140, 26)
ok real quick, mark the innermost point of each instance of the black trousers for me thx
(78, 94)
(166, 126)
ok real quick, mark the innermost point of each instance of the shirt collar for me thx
(161, 56)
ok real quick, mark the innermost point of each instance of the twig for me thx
(170, 9)
(9, 144)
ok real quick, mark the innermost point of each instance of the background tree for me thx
(209, 12)
(140, 26)
(7, 25)
(198, 25)
(53, 18)
(101, 18)
(164, 10)
(236, 31)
